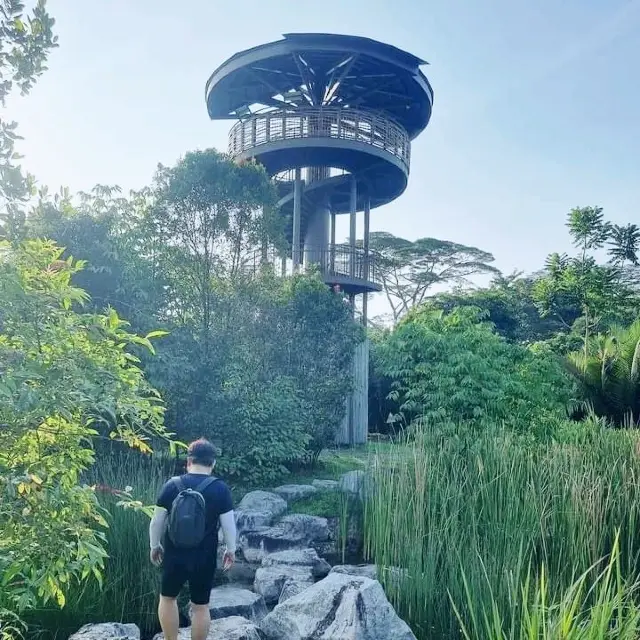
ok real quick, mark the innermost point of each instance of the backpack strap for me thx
(207, 482)
(179, 484)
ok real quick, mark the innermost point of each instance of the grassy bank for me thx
(501, 529)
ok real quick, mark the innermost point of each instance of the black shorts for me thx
(198, 574)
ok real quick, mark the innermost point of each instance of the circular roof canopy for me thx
(317, 69)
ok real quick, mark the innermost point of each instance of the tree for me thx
(65, 379)
(509, 304)
(609, 371)
(25, 43)
(207, 214)
(107, 231)
(582, 294)
(409, 270)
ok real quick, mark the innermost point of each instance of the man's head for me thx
(202, 454)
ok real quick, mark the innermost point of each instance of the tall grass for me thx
(130, 585)
(492, 526)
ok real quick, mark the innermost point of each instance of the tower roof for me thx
(319, 69)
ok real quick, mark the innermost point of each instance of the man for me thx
(183, 536)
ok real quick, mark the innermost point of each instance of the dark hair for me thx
(202, 452)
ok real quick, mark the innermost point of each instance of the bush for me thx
(66, 376)
(267, 384)
(455, 368)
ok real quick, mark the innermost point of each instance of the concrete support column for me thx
(316, 241)
(297, 215)
(352, 225)
(332, 263)
(365, 244)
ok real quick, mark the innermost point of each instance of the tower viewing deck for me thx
(331, 118)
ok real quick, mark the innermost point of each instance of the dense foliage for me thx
(268, 380)
(258, 364)
(455, 368)
(66, 378)
(609, 370)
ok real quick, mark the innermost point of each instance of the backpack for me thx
(187, 525)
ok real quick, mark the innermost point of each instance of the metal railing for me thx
(320, 122)
(339, 261)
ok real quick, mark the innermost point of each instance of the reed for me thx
(479, 529)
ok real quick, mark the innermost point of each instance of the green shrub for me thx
(66, 376)
(454, 367)
(268, 383)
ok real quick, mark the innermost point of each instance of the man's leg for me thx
(200, 621)
(173, 577)
(200, 583)
(169, 617)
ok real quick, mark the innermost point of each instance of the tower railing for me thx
(345, 263)
(320, 122)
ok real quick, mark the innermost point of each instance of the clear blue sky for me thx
(537, 104)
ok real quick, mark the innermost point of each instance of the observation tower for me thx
(331, 118)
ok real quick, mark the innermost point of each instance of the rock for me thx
(291, 588)
(259, 509)
(271, 580)
(361, 570)
(326, 485)
(333, 546)
(296, 531)
(340, 607)
(353, 482)
(232, 628)
(107, 631)
(299, 558)
(228, 601)
(311, 528)
(241, 572)
(291, 492)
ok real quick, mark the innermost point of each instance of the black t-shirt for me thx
(217, 498)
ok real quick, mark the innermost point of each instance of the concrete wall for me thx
(355, 426)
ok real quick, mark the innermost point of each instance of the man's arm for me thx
(228, 526)
(157, 527)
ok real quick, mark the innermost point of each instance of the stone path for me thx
(281, 588)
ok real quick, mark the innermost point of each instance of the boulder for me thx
(299, 558)
(311, 528)
(292, 587)
(296, 531)
(228, 601)
(291, 492)
(259, 509)
(241, 572)
(361, 570)
(107, 631)
(271, 580)
(353, 482)
(333, 546)
(232, 628)
(326, 485)
(340, 607)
